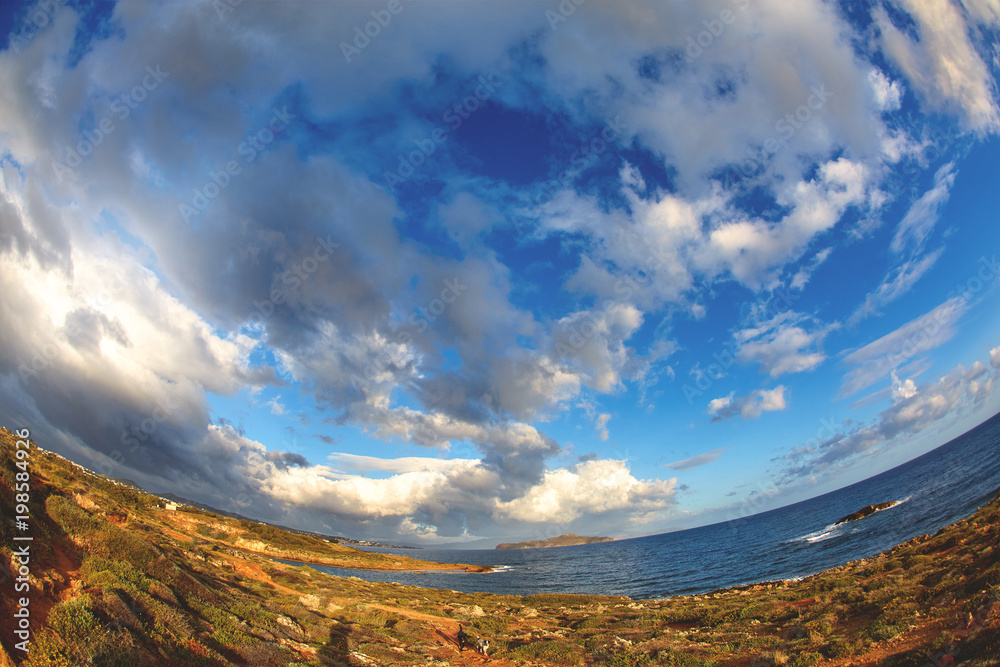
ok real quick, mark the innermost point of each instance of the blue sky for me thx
(437, 272)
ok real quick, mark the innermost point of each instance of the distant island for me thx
(866, 511)
(569, 540)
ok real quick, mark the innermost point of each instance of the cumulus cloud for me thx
(902, 389)
(788, 343)
(748, 407)
(404, 464)
(592, 486)
(456, 496)
(887, 93)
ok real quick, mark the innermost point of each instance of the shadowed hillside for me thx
(117, 581)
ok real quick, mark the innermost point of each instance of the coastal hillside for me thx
(116, 580)
(569, 540)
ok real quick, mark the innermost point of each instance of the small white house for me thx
(170, 506)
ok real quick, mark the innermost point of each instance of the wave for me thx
(836, 530)
(501, 568)
(819, 535)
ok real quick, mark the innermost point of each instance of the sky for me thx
(434, 272)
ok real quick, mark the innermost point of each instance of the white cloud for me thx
(802, 276)
(753, 250)
(599, 486)
(593, 342)
(902, 390)
(995, 357)
(601, 426)
(876, 359)
(897, 283)
(943, 65)
(750, 406)
(984, 11)
(277, 408)
(887, 93)
(783, 345)
(403, 464)
(919, 221)
(915, 408)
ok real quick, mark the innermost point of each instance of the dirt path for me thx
(255, 572)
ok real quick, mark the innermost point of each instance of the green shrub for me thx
(560, 653)
(72, 518)
(372, 618)
(805, 659)
(74, 621)
(491, 625)
(881, 630)
(839, 648)
(628, 659)
(121, 574)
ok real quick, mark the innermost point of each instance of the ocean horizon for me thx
(934, 490)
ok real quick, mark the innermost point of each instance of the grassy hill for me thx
(117, 581)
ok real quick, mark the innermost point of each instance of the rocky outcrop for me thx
(867, 511)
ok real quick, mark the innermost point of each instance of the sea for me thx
(939, 488)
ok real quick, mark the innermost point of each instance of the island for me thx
(569, 540)
(866, 511)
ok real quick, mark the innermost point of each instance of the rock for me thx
(310, 602)
(288, 623)
(475, 611)
(866, 511)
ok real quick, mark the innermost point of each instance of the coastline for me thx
(116, 568)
